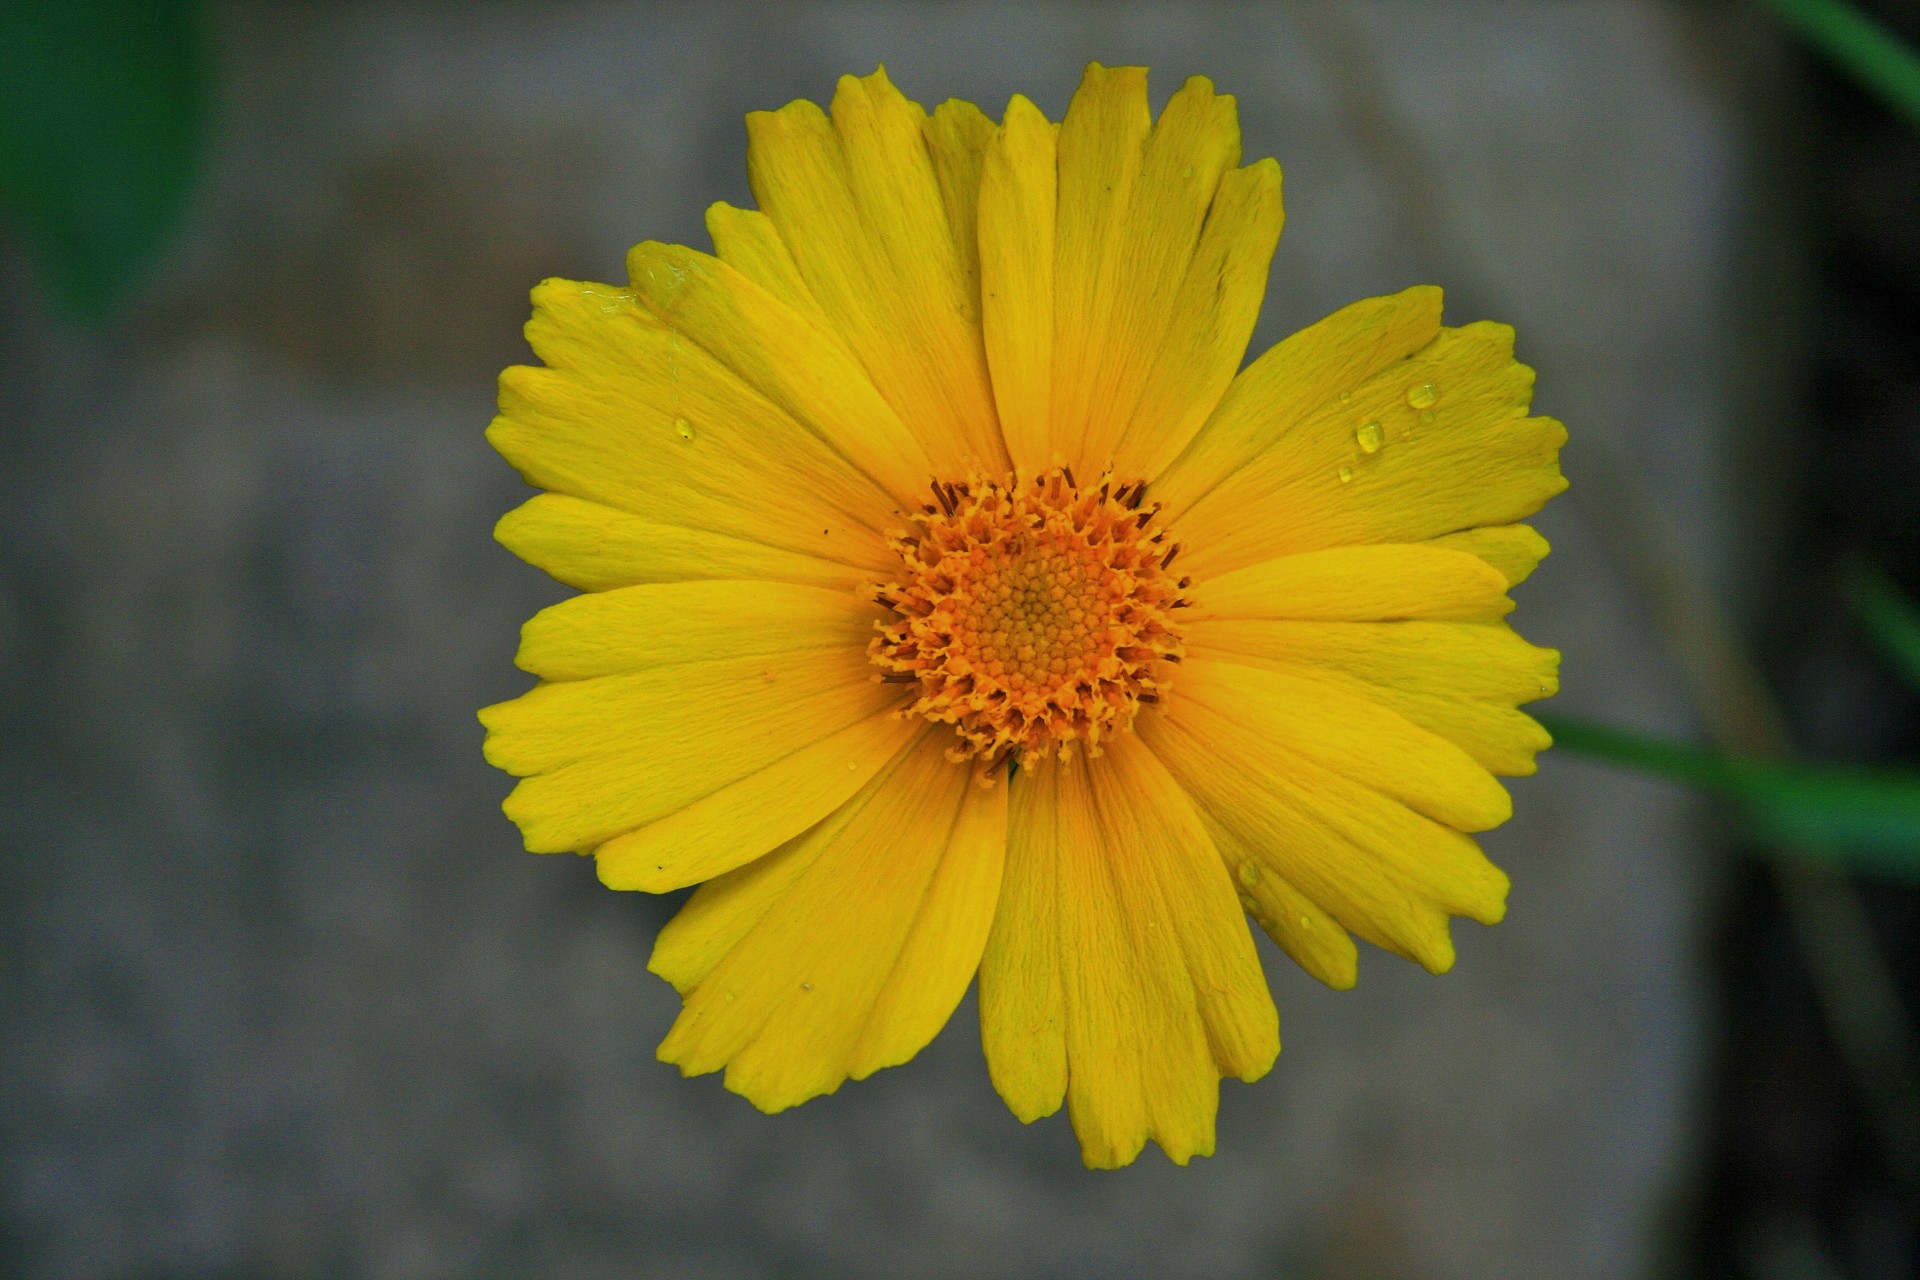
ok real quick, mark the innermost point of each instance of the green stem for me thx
(1868, 52)
(1887, 616)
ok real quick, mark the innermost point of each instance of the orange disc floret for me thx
(1032, 613)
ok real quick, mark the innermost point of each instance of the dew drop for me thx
(806, 986)
(1370, 437)
(684, 427)
(1305, 923)
(1345, 396)
(1346, 475)
(1187, 172)
(1426, 415)
(1249, 874)
(1422, 396)
(1247, 901)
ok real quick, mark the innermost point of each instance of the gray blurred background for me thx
(284, 998)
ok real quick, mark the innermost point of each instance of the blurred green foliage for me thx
(102, 114)
(1889, 619)
(1873, 56)
(1867, 819)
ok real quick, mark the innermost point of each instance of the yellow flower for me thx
(957, 604)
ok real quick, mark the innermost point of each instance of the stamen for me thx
(1032, 615)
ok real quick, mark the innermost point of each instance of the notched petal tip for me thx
(1437, 957)
(1340, 979)
(798, 118)
(1106, 69)
(532, 821)
(1266, 174)
(627, 877)
(507, 529)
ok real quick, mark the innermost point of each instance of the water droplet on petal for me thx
(1422, 396)
(1345, 396)
(1346, 475)
(1370, 437)
(1247, 901)
(1305, 923)
(1249, 874)
(684, 427)
(806, 986)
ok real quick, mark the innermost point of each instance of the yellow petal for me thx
(782, 354)
(1023, 995)
(1133, 203)
(1313, 939)
(1332, 823)
(1359, 584)
(1388, 464)
(861, 954)
(1102, 144)
(1296, 377)
(1119, 972)
(725, 909)
(1143, 810)
(594, 547)
(1514, 549)
(617, 752)
(1352, 735)
(1238, 796)
(741, 821)
(677, 625)
(1018, 186)
(665, 624)
(1459, 680)
(747, 241)
(941, 955)
(631, 416)
(859, 204)
(957, 135)
(1209, 321)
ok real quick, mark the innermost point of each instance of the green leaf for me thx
(102, 113)
(1863, 48)
(1867, 819)
(1890, 620)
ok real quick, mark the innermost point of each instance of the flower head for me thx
(955, 604)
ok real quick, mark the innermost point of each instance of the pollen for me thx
(1032, 614)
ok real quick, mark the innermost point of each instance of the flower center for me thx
(1032, 613)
